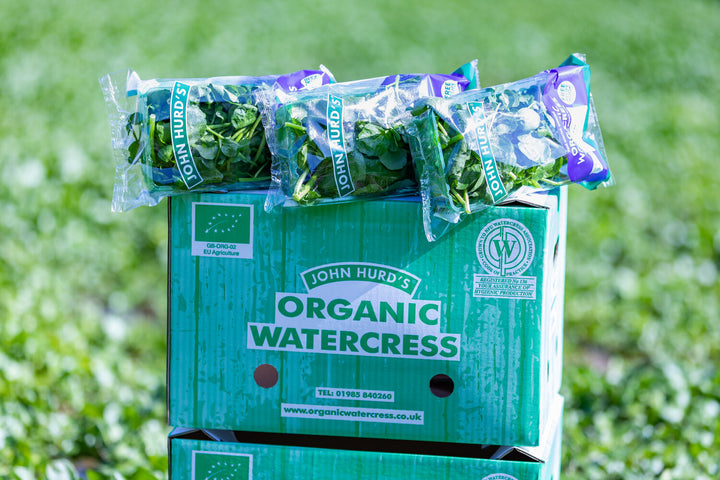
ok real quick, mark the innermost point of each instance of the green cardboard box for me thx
(344, 320)
(205, 455)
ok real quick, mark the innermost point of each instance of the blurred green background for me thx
(83, 290)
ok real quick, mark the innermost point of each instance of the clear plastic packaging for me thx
(483, 147)
(347, 141)
(176, 136)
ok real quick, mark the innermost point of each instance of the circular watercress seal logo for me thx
(505, 247)
(499, 476)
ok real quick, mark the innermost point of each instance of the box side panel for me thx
(181, 349)
(552, 468)
(552, 319)
(195, 460)
(340, 319)
(502, 374)
(560, 288)
(213, 298)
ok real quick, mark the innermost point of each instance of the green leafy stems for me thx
(522, 145)
(225, 135)
(379, 159)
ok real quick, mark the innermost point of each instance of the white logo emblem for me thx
(566, 92)
(505, 247)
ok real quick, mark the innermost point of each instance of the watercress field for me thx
(83, 292)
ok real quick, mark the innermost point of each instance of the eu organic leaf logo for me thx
(222, 223)
(221, 466)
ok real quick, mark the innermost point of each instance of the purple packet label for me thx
(303, 79)
(445, 86)
(438, 85)
(567, 98)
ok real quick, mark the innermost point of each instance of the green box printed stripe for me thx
(497, 189)
(222, 223)
(341, 168)
(178, 131)
(221, 466)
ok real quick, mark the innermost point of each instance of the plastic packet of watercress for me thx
(492, 145)
(179, 136)
(346, 141)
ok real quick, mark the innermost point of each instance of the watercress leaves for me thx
(378, 156)
(224, 132)
(521, 137)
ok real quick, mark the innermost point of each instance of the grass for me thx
(82, 291)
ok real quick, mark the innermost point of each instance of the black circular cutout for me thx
(441, 385)
(266, 375)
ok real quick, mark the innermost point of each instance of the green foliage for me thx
(225, 137)
(378, 156)
(82, 291)
(459, 168)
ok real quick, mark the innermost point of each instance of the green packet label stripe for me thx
(360, 272)
(341, 168)
(495, 184)
(178, 132)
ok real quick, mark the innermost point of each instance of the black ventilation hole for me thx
(441, 385)
(266, 375)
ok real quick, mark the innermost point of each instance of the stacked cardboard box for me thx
(337, 342)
